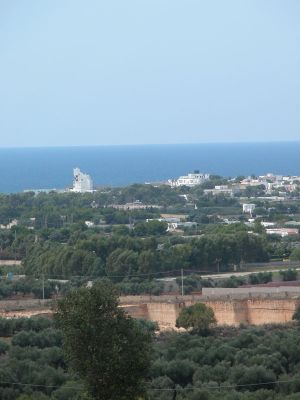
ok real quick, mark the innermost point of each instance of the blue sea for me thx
(52, 167)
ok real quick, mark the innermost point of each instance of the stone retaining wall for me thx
(232, 312)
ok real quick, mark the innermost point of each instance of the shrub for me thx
(289, 274)
(199, 317)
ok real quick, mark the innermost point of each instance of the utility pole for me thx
(43, 284)
(182, 292)
(15, 244)
(218, 263)
(63, 218)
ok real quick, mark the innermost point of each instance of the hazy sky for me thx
(76, 72)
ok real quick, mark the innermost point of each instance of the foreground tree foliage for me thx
(32, 365)
(199, 317)
(296, 315)
(253, 363)
(107, 349)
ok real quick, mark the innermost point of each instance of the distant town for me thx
(278, 186)
(254, 195)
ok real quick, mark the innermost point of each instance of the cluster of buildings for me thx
(136, 205)
(276, 187)
(273, 187)
(10, 225)
(222, 189)
(279, 185)
(174, 222)
(272, 182)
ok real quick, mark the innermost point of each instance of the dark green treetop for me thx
(107, 348)
(199, 317)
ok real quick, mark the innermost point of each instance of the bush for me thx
(296, 315)
(3, 347)
(199, 317)
(47, 338)
(261, 277)
(232, 282)
(289, 274)
(295, 255)
(9, 327)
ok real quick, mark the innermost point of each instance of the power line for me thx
(191, 271)
(209, 387)
(130, 275)
(220, 386)
(36, 385)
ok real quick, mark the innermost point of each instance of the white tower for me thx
(82, 182)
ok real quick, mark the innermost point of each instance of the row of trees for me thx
(121, 257)
(194, 283)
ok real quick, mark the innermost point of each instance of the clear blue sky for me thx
(89, 72)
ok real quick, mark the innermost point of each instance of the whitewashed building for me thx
(283, 232)
(192, 179)
(82, 182)
(248, 208)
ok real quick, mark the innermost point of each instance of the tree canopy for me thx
(107, 348)
(199, 317)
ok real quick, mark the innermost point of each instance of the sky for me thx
(93, 72)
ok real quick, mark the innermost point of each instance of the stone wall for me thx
(25, 308)
(164, 314)
(137, 310)
(24, 304)
(10, 262)
(29, 313)
(253, 311)
(165, 309)
(232, 312)
(254, 290)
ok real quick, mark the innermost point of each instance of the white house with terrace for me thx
(191, 179)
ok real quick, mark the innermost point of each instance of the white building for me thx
(248, 208)
(267, 224)
(223, 189)
(13, 223)
(136, 205)
(283, 232)
(192, 179)
(82, 182)
(89, 224)
(254, 182)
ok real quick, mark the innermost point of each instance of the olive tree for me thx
(198, 317)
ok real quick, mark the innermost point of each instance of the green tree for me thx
(289, 274)
(261, 277)
(103, 345)
(122, 263)
(296, 315)
(3, 347)
(199, 317)
(295, 255)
